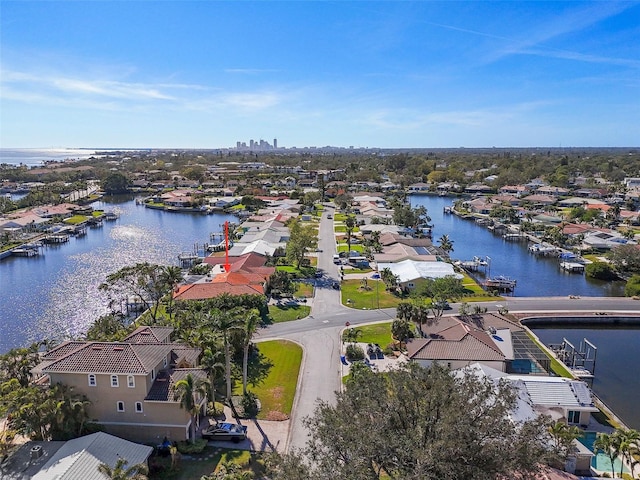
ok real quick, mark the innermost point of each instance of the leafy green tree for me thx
(412, 426)
(439, 290)
(188, 391)
(107, 328)
(115, 182)
(625, 258)
(145, 282)
(632, 288)
(302, 238)
(600, 270)
(121, 472)
(18, 362)
(280, 283)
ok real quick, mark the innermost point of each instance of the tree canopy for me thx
(416, 423)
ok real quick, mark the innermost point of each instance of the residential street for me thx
(319, 334)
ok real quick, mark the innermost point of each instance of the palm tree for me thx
(629, 443)
(136, 472)
(607, 444)
(170, 276)
(251, 323)
(226, 323)
(446, 244)
(350, 225)
(187, 391)
(212, 362)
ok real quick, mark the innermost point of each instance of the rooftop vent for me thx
(36, 452)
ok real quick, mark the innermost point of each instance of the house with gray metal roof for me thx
(79, 458)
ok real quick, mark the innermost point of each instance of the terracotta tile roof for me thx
(469, 348)
(112, 357)
(201, 291)
(146, 334)
(162, 389)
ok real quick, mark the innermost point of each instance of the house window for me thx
(138, 407)
(153, 374)
(164, 362)
(410, 285)
(114, 380)
(120, 406)
(573, 416)
(131, 381)
(92, 380)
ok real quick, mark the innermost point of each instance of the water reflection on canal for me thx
(536, 276)
(56, 294)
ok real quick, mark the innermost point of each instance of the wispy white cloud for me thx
(533, 40)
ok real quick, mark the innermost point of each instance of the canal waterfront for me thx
(535, 276)
(616, 380)
(56, 294)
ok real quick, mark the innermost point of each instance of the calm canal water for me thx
(616, 379)
(56, 294)
(536, 276)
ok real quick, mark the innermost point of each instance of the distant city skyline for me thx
(414, 74)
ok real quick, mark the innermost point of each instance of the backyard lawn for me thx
(205, 463)
(477, 293)
(376, 297)
(278, 388)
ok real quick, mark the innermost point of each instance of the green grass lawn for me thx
(343, 229)
(287, 314)
(355, 248)
(556, 366)
(304, 290)
(476, 292)
(76, 219)
(206, 463)
(340, 217)
(302, 272)
(277, 390)
(357, 270)
(367, 299)
(379, 333)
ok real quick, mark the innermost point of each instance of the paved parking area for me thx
(262, 435)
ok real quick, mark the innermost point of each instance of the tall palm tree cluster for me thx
(621, 443)
(222, 335)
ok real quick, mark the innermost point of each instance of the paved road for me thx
(319, 334)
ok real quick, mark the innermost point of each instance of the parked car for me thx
(225, 431)
(442, 305)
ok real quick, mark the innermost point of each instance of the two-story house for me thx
(130, 384)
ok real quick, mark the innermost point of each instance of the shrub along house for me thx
(130, 384)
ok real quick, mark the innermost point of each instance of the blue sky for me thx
(205, 74)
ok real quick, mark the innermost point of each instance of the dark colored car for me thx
(225, 431)
(336, 286)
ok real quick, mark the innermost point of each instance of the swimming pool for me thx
(600, 461)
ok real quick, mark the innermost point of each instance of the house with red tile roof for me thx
(130, 384)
